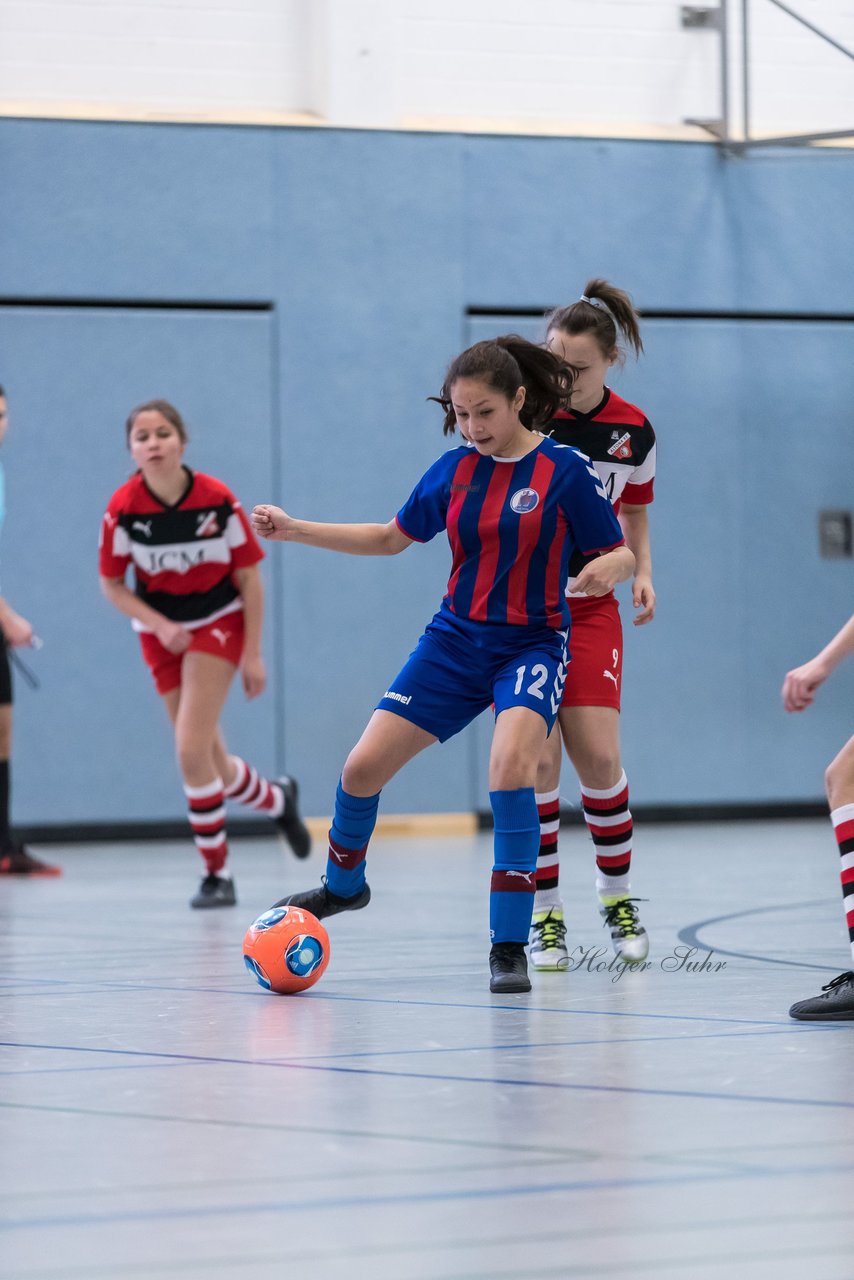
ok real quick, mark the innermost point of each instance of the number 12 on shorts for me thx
(539, 676)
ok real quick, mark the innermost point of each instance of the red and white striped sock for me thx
(609, 821)
(250, 789)
(548, 863)
(207, 819)
(843, 828)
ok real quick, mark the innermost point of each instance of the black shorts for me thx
(5, 674)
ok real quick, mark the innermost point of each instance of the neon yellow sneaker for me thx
(548, 940)
(628, 936)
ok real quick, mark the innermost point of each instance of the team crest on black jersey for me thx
(622, 447)
(524, 500)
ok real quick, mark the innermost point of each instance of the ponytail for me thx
(603, 310)
(505, 364)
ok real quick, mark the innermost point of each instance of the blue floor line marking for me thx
(310, 1059)
(278, 1064)
(255, 993)
(690, 936)
(424, 1197)
(521, 1007)
(557, 1044)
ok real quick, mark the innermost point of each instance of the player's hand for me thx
(601, 575)
(254, 674)
(17, 630)
(173, 636)
(271, 522)
(800, 685)
(643, 598)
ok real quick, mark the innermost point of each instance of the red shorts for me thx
(595, 673)
(223, 638)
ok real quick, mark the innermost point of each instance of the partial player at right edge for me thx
(836, 1001)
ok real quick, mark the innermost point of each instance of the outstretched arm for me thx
(276, 525)
(800, 685)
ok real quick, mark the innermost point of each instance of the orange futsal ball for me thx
(286, 950)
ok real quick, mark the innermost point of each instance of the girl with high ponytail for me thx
(516, 508)
(592, 334)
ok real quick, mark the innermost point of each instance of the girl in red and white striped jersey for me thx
(197, 605)
(620, 442)
(835, 1002)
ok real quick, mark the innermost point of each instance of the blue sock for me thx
(352, 827)
(517, 843)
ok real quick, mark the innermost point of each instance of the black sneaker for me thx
(214, 891)
(508, 965)
(289, 822)
(15, 860)
(321, 902)
(836, 1005)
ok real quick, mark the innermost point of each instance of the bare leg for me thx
(387, 744)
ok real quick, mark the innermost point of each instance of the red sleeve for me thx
(113, 545)
(637, 495)
(245, 547)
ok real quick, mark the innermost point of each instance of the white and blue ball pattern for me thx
(303, 955)
(269, 918)
(258, 973)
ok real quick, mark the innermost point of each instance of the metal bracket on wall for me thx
(715, 18)
(701, 17)
(835, 535)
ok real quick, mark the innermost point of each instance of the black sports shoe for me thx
(836, 1005)
(508, 965)
(321, 902)
(214, 891)
(15, 860)
(289, 822)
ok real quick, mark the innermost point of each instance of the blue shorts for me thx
(459, 668)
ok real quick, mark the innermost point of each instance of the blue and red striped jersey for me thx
(513, 525)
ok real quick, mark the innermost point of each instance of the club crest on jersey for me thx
(207, 525)
(524, 500)
(621, 448)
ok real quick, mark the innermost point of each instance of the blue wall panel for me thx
(372, 246)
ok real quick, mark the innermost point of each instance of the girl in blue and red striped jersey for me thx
(618, 439)
(516, 507)
(197, 606)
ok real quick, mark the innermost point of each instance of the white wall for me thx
(622, 66)
(167, 57)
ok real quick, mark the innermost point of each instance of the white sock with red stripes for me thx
(250, 789)
(843, 828)
(206, 811)
(548, 863)
(609, 821)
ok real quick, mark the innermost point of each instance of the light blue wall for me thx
(370, 248)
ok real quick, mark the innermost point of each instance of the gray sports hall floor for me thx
(162, 1116)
